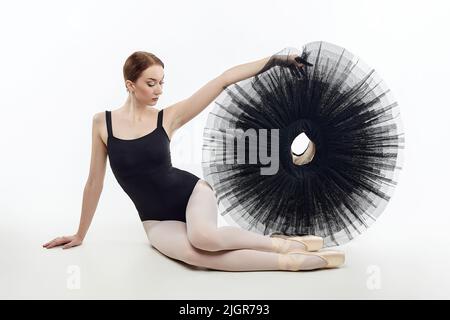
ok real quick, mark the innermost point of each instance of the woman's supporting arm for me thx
(92, 189)
(94, 184)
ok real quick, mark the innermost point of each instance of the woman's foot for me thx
(301, 260)
(283, 244)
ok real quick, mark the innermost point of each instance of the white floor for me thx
(391, 260)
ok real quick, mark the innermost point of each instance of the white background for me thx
(61, 62)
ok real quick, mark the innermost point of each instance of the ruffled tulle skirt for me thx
(352, 121)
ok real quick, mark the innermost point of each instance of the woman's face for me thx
(149, 85)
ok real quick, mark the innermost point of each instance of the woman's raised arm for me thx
(185, 110)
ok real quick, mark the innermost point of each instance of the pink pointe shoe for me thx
(310, 242)
(301, 260)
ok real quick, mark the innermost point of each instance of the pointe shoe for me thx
(297, 260)
(311, 243)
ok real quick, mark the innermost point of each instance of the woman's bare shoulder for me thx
(99, 125)
(99, 120)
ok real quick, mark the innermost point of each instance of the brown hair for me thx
(137, 62)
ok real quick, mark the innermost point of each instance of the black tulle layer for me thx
(345, 109)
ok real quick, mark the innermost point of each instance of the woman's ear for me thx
(129, 85)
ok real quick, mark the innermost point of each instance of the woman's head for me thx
(144, 73)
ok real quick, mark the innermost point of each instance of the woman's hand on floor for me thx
(66, 242)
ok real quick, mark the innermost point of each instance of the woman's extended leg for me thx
(170, 238)
(203, 233)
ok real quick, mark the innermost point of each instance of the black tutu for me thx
(336, 190)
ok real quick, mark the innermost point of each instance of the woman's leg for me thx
(203, 233)
(170, 238)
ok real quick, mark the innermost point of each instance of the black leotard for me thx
(143, 168)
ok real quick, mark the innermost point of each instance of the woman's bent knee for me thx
(205, 240)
